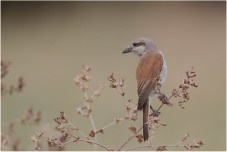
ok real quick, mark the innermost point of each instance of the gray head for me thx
(141, 46)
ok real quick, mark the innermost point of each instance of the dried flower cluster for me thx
(85, 109)
(30, 117)
(4, 67)
(36, 138)
(61, 119)
(63, 130)
(131, 112)
(84, 77)
(195, 144)
(10, 141)
(181, 92)
(12, 88)
(154, 122)
(81, 80)
(66, 129)
(4, 142)
(187, 83)
(117, 84)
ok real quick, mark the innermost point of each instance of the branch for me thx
(91, 120)
(129, 139)
(138, 147)
(112, 123)
(94, 128)
(166, 100)
(81, 132)
(89, 141)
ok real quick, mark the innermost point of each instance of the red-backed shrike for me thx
(152, 67)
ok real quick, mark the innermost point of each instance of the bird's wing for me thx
(148, 71)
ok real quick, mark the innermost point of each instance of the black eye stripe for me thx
(138, 44)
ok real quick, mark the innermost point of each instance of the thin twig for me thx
(153, 147)
(129, 139)
(167, 101)
(89, 141)
(172, 94)
(95, 143)
(112, 123)
(92, 121)
(160, 107)
(138, 147)
(81, 132)
(175, 145)
(119, 91)
(94, 129)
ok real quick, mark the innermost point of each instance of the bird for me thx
(152, 67)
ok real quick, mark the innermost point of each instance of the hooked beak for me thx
(127, 50)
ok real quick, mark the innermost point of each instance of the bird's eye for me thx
(134, 44)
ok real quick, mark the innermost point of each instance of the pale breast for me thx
(163, 73)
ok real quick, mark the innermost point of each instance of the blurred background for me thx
(48, 42)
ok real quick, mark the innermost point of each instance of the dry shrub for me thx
(66, 129)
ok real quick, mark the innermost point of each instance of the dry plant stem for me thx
(119, 91)
(95, 143)
(112, 123)
(81, 132)
(129, 139)
(174, 145)
(153, 147)
(92, 122)
(122, 91)
(172, 95)
(138, 147)
(94, 129)
(167, 100)
(89, 141)
(160, 107)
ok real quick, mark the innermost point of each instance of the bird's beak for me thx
(127, 50)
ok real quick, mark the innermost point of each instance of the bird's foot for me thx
(155, 113)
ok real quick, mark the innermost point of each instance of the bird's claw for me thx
(154, 113)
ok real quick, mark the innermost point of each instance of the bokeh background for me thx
(48, 42)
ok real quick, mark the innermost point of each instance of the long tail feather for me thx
(145, 119)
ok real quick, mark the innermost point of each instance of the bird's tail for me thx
(145, 119)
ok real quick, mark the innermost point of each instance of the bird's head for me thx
(141, 46)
